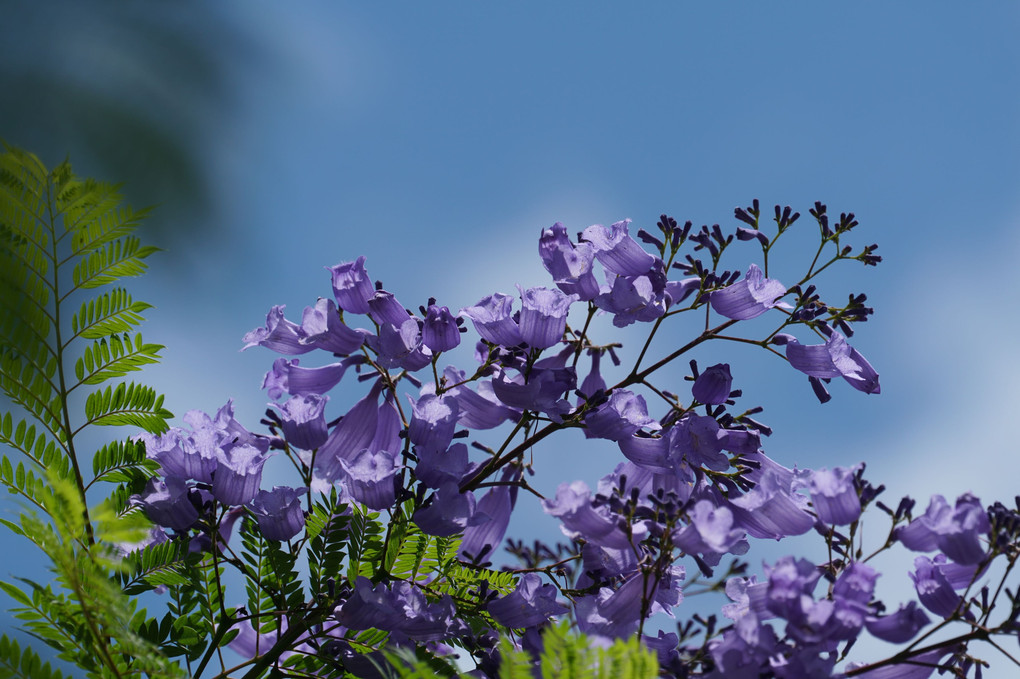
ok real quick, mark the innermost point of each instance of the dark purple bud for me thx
(713, 386)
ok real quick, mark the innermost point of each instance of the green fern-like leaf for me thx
(61, 240)
(127, 404)
(19, 663)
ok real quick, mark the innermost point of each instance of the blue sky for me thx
(438, 140)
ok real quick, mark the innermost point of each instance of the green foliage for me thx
(62, 240)
(572, 656)
(365, 543)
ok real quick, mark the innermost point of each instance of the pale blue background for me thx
(439, 139)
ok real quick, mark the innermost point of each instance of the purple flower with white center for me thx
(748, 298)
(238, 474)
(835, 358)
(543, 316)
(350, 436)
(934, 589)
(713, 386)
(619, 417)
(771, 509)
(955, 531)
(834, 495)
(440, 332)
(433, 421)
(633, 298)
(618, 252)
(572, 506)
(371, 478)
(352, 287)
(303, 421)
(530, 604)
(617, 613)
(279, 335)
(322, 328)
(569, 264)
(167, 504)
(899, 627)
(493, 320)
(287, 376)
(448, 511)
(710, 533)
(279, 512)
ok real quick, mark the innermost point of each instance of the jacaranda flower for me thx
(748, 298)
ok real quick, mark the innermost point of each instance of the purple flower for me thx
(322, 328)
(238, 474)
(619, 417)
(401, 346)
(530, 604)
(352, 287)
(280, 335)
(699, 439)
(569, 264)
(493, 320)
(279, 512)
(352, 435)
(713, 386)
(303, 421)
(933, 586)
(834, 495)
(167, 503)
(634, 298)
(749, 298)
(544, 316)
(384, 308)
(371, 607)
(437, 466)
(835, 358)
(371, 478)
(440, 332)
(543, 390)
(572, 505)
(710, 533)
(287, 376)
(478, 410)
(488, 526)
(433, 421)
(449, 512)
(955, 531)
(771, 510)
(899, 627)
(617, 251)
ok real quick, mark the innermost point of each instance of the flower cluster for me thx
(693, 487)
